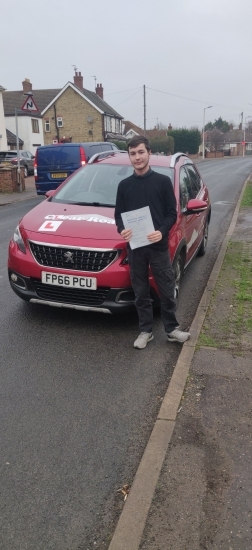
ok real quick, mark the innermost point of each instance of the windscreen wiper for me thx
(93, 204)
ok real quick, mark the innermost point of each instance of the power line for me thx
(122, 91)
(128, 98)
(196, 100)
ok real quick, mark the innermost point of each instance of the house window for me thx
(59, 122)
(108, 124)
(117, 126)
(35, 126)
(47, 126)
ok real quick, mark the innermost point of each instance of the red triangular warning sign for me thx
(30, 105)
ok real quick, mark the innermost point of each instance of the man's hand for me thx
(126, 234)
(155, 236)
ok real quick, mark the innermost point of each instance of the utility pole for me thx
(144, 94)
(203, 131)
(18, 158)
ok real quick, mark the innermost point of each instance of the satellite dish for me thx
(89, 119)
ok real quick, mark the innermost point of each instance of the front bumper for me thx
(104, 299)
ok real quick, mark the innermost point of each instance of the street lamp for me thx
(17, 146)
(203, 140)
(244, 136)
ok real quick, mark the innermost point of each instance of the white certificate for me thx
(141, 224)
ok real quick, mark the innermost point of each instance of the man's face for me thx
(139, 158)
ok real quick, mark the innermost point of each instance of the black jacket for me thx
(154, 190)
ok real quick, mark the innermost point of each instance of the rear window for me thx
(7, 154)
(62, 156)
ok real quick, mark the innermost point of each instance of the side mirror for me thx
(195, 206)
(50, 193)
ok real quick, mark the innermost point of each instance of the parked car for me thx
(25, 157)
(66, 252)
(54, 163)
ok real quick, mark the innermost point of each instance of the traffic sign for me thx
(30, 105)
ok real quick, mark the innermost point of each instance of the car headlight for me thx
(17, 237)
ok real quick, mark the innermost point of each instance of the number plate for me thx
(60, 175)
(70, 281)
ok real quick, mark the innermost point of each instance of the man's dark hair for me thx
(137, 140)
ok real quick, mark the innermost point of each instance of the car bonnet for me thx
(71, 221)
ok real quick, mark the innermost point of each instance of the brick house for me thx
(76, 114)
(68, 114)
(130, 130)
(234, 140)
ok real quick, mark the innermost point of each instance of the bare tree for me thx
(161, 126)
(215, 140)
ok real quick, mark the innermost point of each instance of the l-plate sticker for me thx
(49, 226)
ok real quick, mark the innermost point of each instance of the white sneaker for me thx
(178, 336)
(143, 339)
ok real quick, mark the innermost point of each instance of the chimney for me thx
(78, 80)
(99, 90)
(169, 127)
(27, 85)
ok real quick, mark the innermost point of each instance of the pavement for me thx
(29, 193)
(193, 487)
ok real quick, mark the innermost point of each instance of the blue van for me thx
(54, 163)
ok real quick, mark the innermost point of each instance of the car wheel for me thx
(203, 245)
(178, 272)
(25, 172)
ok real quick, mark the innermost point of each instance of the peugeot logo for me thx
(69, 257)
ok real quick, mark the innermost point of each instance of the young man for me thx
(148, 188)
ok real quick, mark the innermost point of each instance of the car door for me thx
(30, 160)
(24, 159)
(190, 223)
(196, 190)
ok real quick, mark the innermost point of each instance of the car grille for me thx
(70, 295)
(72, 258)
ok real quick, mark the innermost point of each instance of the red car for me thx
(66, 252)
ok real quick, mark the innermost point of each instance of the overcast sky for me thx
(190, 54)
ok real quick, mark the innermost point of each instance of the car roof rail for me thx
(104, 153)
(175, 158)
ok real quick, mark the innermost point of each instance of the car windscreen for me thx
(58, 156)
(97, 184)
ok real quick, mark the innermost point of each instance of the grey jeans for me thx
(139, 260)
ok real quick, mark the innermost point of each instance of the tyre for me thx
(25, 172)
(203, 245)
(178, 267)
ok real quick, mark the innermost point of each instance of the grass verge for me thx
(228, 323)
